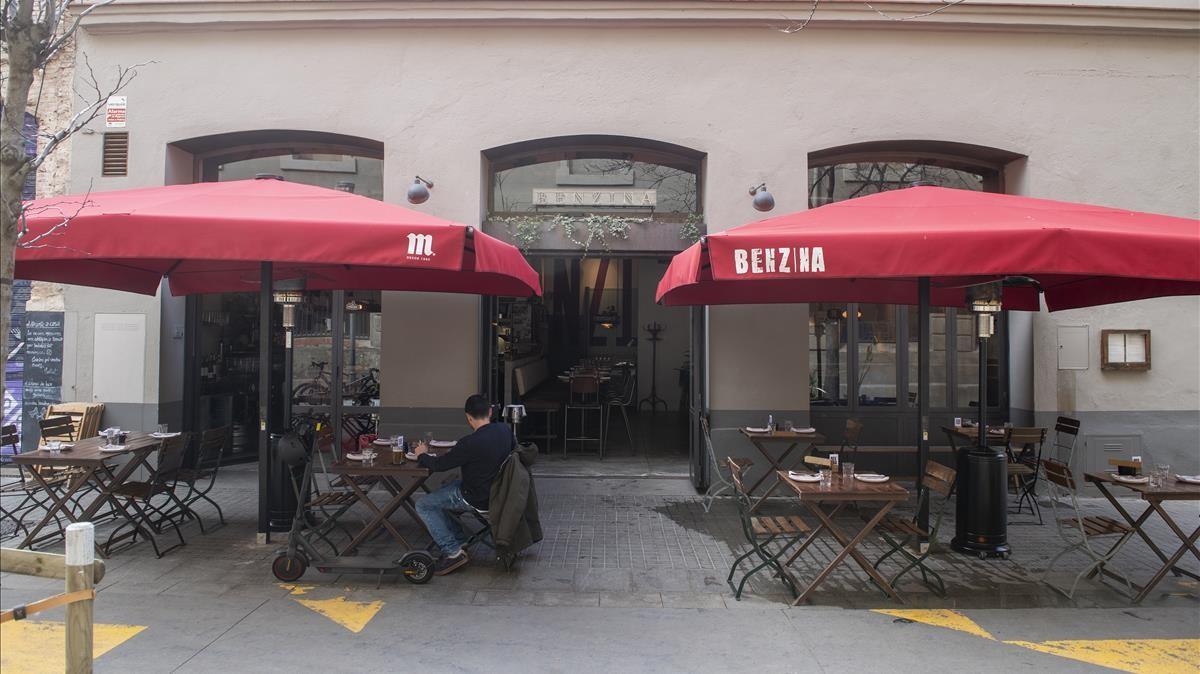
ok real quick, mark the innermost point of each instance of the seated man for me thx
(480, 456)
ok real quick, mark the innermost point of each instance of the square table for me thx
(95, 466)
(761, 440)
(814, 496)
(392, 476)
(1173, 490)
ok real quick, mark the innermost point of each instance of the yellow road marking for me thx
(353, 615)
(35, 646)
(1142, 656)
(296, 589)
(937, 617)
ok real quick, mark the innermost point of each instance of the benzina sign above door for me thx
(593, 197)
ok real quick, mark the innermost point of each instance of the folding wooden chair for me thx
(204, 468)
(1079, 530)
(25, 490)
(901, 533)
(135, 499)
(1066, 432)
(1025, 455)
(761, 533)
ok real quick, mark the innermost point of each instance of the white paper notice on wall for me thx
(119, 358)
(1135, 349)
(1116, 348)
(114, 112)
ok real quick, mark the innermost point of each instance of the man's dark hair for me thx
(478, 407)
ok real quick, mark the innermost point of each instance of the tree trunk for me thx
(23, 38)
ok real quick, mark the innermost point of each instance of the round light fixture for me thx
(418, 192)
(763, 201)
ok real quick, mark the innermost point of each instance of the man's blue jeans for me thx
(438, 509)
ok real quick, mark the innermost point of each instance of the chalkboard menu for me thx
(43, 370)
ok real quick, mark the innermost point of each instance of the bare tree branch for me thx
(944, 7)
(53, 47)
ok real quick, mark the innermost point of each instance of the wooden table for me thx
(392, 477)
(1173, 490)
(996, 435)
(761, 440)
(95, 467)
(815, 496)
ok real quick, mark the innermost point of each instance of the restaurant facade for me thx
(602, 138)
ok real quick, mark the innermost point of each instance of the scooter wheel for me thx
(417, 567)
(289, 569)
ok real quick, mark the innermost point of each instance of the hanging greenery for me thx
(692, 228)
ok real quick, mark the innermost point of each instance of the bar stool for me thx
(584, 397)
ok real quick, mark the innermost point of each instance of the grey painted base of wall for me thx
(133, 416)
(1171, 437)
(446, 423)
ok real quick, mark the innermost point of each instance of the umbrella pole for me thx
(923, 353)
(264, 399)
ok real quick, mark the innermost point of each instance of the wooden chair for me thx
(204, 467)
(60, 428)
(901, 533)
(1130, 467)
(761, 534)
(1066, 432)
(1079, 531)
(849, 449)
(1025, 455)
(584, 397)
(25, 490)
(135, 499)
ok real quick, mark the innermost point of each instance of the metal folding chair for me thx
(1079, 531)
(622, 396)
(584, 397)
(25, 490)
(902, 533)
(761, 534)
(717, 483)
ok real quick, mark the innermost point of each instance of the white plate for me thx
(410, 456)
(810, 429)
(382, 442)
(803, 477)
(354, 456)
(755, 429)
(1132, 479)
(160, 436)
(442, 443)
(870, 477)
(114, 448)
(1190, 479)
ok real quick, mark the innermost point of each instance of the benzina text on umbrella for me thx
(778, 260)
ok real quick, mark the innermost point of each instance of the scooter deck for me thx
(359, 564)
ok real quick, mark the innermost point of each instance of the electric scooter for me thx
(302, 552)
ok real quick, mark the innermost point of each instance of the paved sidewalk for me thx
(631, 575)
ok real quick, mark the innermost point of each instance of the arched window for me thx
(857, 359)
(635, 183)
(860, 169)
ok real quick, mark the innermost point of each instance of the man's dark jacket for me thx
(513, 508)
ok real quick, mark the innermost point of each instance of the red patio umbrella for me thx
(213, 237)
(931, 245)
(875, 248)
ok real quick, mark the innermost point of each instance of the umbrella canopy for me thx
(213, 237)
(875, 248)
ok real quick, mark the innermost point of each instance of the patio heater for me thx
(981, 526)
(288, 293)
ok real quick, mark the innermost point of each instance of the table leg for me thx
(848, 550)
(813, 536)
(775, 465)
(380, 519)
(1188, 544)
(60, 503)
(1137, 527)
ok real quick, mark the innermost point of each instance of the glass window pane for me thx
(838, 182)
(828, 383)
(877, 325)
(938, 367)
(967, 364)
(362, 347)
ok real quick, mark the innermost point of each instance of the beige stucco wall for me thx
(1110, 119)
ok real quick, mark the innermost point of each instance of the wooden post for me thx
(80, 555)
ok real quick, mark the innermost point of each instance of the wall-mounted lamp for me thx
(418, 192)
(763, 201)
(354, 305)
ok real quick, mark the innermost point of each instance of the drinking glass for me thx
(1164, 473)
(848, 471)
(826, 477)
(788, 426)
(428, 439)
(163, 429)
(54, 446)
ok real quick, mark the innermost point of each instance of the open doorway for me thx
(597, 316)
